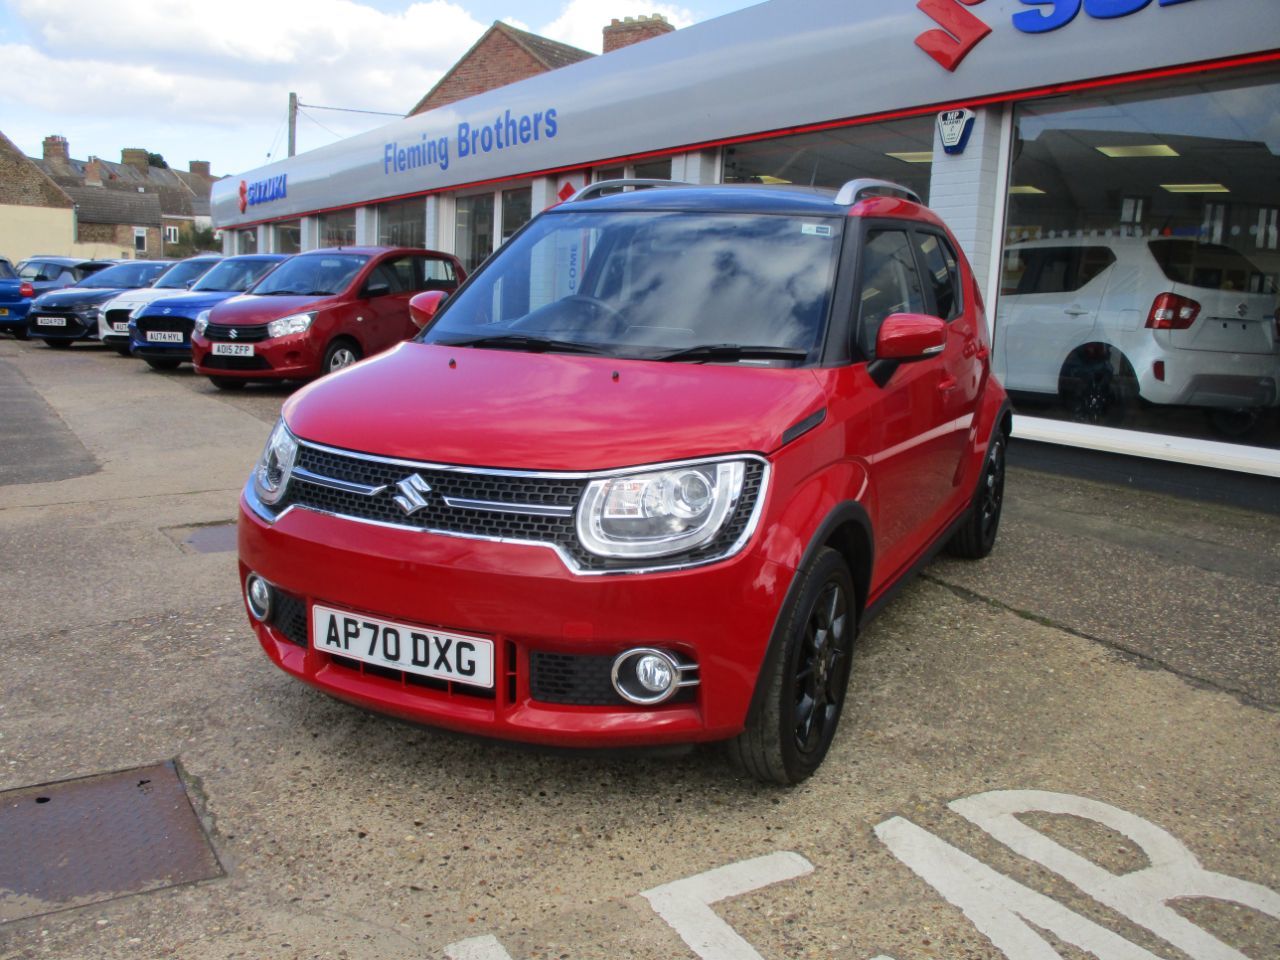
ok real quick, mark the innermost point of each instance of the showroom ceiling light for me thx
(1026, 190)
(1194, 188)
(913, 156)
(1138, 150)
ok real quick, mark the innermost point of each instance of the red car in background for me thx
(318, 312)
(643, 478)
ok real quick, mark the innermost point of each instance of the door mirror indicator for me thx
(910, 336)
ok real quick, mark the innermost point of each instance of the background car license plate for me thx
(51, 321)
(419, 650)
(163, 336)
(120, 327)
(233, 349)
(4, 311)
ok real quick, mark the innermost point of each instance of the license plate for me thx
(120, 327)
(51, 321)
(4, 311)
(233, 349)
(418, 650)
(162, 336)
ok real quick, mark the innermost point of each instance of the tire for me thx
(787, 738)
(1097, 385)
(19, 333)
(341, 353)
(123, 349)
(162, 363)
(58, 344)
(227, 383)
(977, 535)
(1235, 424)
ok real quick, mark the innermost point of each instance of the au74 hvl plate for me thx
(78, 842)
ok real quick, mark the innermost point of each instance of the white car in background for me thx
(1099, 322)
(113, 316)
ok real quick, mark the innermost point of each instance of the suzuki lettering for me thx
(263, 191)
(1054, 14)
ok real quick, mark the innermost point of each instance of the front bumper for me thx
(295, 357)
(75, 326)
(524, 599)
(13, 317)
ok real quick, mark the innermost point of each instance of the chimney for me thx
(200, 168)
(623, 33)
(55, 148)
(135, 157)
(93, 173)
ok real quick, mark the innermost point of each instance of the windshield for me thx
(235, 276)
(181, 274)
(125, 276)
(315, 275)
(654, 285)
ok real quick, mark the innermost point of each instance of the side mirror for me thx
(423, 307)
(190, 284)
(910, 336)
(380, 289)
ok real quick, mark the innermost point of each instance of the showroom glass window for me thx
(288, 236)
(403, 224)
(247, 241)
(900, 151)
(1142, 259)
(473, 230)
(517, 209)
(337, 229)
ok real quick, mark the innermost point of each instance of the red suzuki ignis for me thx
(643, 478)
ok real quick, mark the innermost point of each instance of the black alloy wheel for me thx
(977, 536)
(804, 681)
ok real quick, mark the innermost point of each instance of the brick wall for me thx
(119, 235)
(23, 184)
(495, 61)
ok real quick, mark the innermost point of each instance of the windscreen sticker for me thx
(816, 229)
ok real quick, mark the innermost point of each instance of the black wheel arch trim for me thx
(845, 512)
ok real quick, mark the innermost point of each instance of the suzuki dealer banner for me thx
(782, 64)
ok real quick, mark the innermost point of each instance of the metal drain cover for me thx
(82, 841)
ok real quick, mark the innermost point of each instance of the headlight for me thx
(202, 320)
(295, 323)
(89, 313)
(659, 512)
(271, 475)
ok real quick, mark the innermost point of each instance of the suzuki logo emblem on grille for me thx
(233, 334)
(1242, 310)
(413, 494)
(167, 311)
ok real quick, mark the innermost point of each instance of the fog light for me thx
(258, 594)
(646, 676)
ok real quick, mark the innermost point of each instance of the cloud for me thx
(581, 21)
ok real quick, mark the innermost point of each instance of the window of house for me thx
(139, 239)
(171, 235)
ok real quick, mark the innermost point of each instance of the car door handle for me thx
(1075, 311)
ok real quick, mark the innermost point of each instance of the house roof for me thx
(551, 54)
(180, 194)
(103, 205)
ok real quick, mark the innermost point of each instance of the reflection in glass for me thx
(473, 232)
(1141, 268)
(403, 224)
(288, 235)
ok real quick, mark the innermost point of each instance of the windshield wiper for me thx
(521, 341)
(735, 351)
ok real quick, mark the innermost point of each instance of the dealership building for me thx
(1110, 167)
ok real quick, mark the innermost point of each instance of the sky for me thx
(194, 80)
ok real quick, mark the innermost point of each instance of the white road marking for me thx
(686, 904)
(477, 948)
(1142, 895)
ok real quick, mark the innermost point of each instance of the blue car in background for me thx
(160, 332)
(34, 276)
(61, 317)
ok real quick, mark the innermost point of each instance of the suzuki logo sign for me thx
(413, 494)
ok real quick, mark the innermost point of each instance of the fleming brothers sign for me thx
(504, 133)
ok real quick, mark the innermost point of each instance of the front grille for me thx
(513, 491)
(289, 616)
(414, 680)
(215, 362)
(243, 333)
(584, 681)
(117, 316)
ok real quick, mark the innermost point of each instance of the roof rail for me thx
(854, 190)
(595, 189)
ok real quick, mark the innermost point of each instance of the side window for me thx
(388, 274)
(890, 284)
(408, 273)
(1061, 269)
(437, 274)
(941, 273)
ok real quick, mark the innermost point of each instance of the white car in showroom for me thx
(1099, 322)
(113, 317)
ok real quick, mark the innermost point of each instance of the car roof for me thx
(737, 198)
(269, 257)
